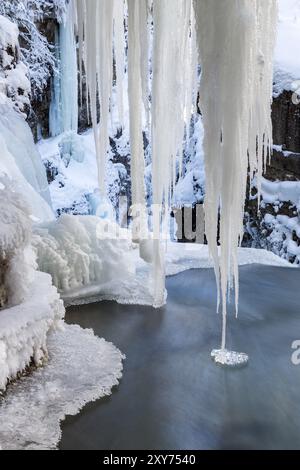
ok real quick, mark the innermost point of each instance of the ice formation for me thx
(55, 111)
(69, 72)
(235, 42)
(119, 50)
(172, 20)
(33, 306)
(63, 115)
(83, 251)
(21, 161)
(137, 50)
(95, 27)
(31, 311)
(31, 413)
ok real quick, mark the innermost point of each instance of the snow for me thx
(31, 413)
(274, 192)
(287, 64)
(181, 257)
(282, 229)
(22, 163)
(76, 184)
(14, 82)
(36, 52)
(9, 33)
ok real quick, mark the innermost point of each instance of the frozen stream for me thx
(172, 396)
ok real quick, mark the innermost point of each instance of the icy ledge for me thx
(81, 368)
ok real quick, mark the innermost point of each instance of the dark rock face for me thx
(84, 119)
(38, 118)
(284, 167)
(278, 235)
(286, 122)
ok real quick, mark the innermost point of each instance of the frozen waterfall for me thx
(63, 114)
(235, 42)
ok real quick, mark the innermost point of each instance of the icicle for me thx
(144, 57)
(79, 24)
(235, 42)
(55, 111)
(171, 27)
(135, 51)
(119, 46)
(63, 115)
(96, 44)
(69, 71)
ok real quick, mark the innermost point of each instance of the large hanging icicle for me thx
(119, 48)
(137, 25)
(95, 24)
(144, 56)
(235, 41)
(171, 20)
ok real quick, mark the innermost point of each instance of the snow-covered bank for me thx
(81, 368)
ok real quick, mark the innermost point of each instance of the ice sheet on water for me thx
(81, 368)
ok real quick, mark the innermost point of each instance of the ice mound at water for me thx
(230, 359)
(83, 251)
(82, 368)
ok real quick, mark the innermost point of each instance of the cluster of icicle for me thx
(235, 41)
